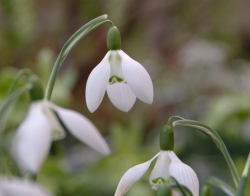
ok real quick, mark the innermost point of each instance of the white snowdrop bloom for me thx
(14, 187)
(34, 136)
(122, 77)
(167, 164)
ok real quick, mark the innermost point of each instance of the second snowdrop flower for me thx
(167, 164)
(122, 77)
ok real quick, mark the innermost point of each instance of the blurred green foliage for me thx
(197, 53)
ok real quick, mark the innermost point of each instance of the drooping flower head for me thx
(43, 124)
(167, 164)
(122, 77)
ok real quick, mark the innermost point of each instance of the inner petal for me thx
(160, 172)
(116, 74)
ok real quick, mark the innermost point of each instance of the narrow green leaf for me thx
(226, 188)
(244, 178)
(6, 107)
(19, 74)
(217, 140)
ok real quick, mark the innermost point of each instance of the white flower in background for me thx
(16, 187)
(167, 164)
(32, 141)
(123, 78)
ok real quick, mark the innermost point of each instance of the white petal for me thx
(97, 84)
(131, 176)
(121, 96)
(160, 171)
(20, 188)
(32, 141)
(137, 78)
(184, 174)
(82, 128)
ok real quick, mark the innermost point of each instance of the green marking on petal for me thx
(158, 181)
(115, 79)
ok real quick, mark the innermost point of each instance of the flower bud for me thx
(114, 39)
(167, 138)
(36, 92)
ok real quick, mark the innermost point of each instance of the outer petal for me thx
(20, 188)
(82, 128)
(160, 171)
(184, 174)
(121, 96)
(32, 142)
(131, 176)
(97, 84)
(137, 78)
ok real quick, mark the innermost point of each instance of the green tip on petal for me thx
(167, 138)
(36, 92)
(114, 39)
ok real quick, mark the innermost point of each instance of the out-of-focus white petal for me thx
(32, 141)
(82, 128)
(131, 176)
(121, 96)
(97, 83)
(160, 172)
(176, 193)
(184, 174)
(57, 129)
(137, 78)
(15, 187)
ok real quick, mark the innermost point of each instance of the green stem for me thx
(217, 140)
(172, 119)
(83, 31)
(244, 178)
(13, 96)
(17, 77)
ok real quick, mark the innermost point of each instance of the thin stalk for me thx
(83, 31)
(17, 77)
(244, 178)
(217, 140)
(13, 96)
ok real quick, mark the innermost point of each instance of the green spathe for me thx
(167, 138)
(114, 39)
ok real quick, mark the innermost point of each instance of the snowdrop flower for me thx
(122, 77)
(18, 187)
(167, 164)
(33, 139)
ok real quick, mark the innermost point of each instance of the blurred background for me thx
(197, 54)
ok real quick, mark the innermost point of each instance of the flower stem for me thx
(172, 119)
(9, 101)
(216, 139)
(244, 178)
(17, 77)
(84, 30)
